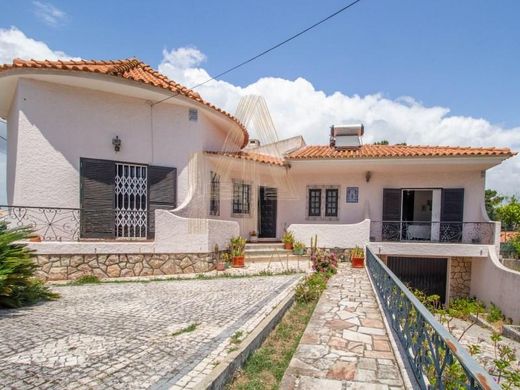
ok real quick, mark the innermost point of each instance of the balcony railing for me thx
(437, 360)
(445, 232)
(73, 224)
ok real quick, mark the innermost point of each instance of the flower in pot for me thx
(253, 237)
(223, 261)
(288, 239)
(298, 248)
(237, 248)
(357, 257)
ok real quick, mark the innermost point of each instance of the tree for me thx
(509, 214)
(493, 201)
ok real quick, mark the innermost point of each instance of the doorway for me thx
(425, 274)
(267, 211)
(417, 215)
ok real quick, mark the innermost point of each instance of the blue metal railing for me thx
(436, 358)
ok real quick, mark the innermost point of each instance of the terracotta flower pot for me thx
(221, 266)
(287, 245)
(238, 261)
(358, 262)
(35, 238)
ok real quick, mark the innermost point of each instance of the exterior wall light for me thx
(368, 175)
(117, 143)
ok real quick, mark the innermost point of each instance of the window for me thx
(331, 203)
(193, 114)
(241, 197)
(314, 202)
(214, 196)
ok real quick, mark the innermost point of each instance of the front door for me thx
(267, 204)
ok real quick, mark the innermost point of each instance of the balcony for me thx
(433, 231)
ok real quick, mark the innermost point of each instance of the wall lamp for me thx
(116, 142)
(368, 175)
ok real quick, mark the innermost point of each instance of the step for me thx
(267, 251)
(274, 259)
(259, 244)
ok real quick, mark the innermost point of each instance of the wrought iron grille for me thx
(446, 232)
(51, 224)
(437, 360)
(131, 194)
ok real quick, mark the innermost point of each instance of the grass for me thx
(86, 279)
(94, 279)
(188, 329)
(265, 367)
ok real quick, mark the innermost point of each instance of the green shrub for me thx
(87, 279)
(311, 287)
(324, 261)
(18, 287)
(494, 314)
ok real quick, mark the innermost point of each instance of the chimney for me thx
(346, 136)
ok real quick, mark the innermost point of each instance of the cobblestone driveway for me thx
(120, 335)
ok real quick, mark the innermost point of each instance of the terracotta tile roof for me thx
(394, 151)
(130, 69)
(251, 156)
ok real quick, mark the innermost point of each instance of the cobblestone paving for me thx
(345, 345)
(119, 336)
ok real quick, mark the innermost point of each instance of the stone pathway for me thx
(121, 335)
(345, 345)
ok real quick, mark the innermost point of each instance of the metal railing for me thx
(445, 232)
(436, 358)
(73, 224)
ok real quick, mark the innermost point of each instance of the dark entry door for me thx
(267, 204)
(425, 274)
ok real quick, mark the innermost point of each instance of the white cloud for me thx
(49, 14)
(15, 44)
(298, 108)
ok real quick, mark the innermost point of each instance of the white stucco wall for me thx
(51, 126)
(492, 282)
(333, 235)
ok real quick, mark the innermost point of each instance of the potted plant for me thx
(299, 248)
(237, 248)
(357, 257)
(253, 237)
(223, 260)
(288, 239)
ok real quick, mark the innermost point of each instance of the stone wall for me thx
(460, 277)
(70, 267)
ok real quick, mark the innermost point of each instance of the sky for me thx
(422, 72)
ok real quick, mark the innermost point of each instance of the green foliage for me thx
(188, 329)
(503, 367)
(493, 201)
(494, 314)
(310, 289)
(87, 279)
(288, 237)
(298, 247)
(509, 214)
(237, 246)
(357, 252)
(237, 337)
(382, 142)
(18, 287)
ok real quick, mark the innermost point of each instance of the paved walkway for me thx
(121, 336)
(345, 345)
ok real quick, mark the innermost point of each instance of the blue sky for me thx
(454, 59)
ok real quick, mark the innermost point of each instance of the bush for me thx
(324, 262)
(494, 314)
(311, 287)
(18, 287)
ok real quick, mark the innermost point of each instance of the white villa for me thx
(123, 172)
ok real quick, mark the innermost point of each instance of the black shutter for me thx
(162, 192)
(97, 198)
(452, 214)
(452, 208)
(392, 202)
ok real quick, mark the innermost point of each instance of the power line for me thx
(267, 50)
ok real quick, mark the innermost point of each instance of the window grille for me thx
(131, 200)
(314, 202)
(214, 197)
(241, 197)
(331, 203)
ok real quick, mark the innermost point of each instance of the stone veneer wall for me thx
(460, 277)
(70, 267)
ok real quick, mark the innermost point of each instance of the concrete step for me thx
(267, 251)
(267, 258)
(259, 245)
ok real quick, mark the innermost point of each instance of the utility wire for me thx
(267, 50)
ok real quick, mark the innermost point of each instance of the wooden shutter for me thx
(452, 205)
(162, 192)
(97, 198)
(391, 204)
